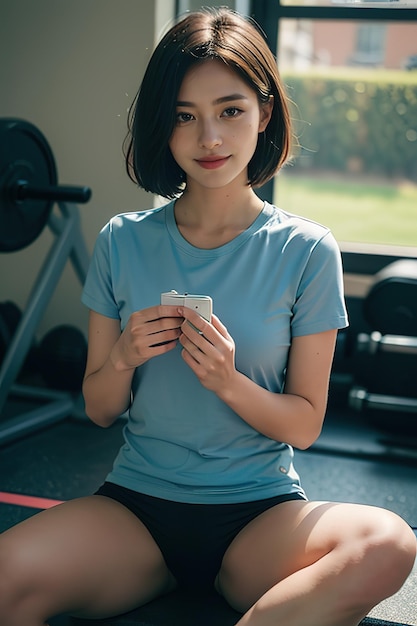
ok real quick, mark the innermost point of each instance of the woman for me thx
(204, 492)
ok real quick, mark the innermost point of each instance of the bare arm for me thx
(113, 357)
(295, 416)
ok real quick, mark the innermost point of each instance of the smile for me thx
(212, 163)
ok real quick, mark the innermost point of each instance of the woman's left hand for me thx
(208, 350)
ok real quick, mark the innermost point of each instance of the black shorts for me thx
(192, 537)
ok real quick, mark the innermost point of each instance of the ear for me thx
(265, 113)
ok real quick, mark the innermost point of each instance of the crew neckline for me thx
(227, 248)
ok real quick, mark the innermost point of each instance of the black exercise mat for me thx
(181, 609)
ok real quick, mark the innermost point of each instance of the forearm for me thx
(281, 416)
(107, 391)
(113, 357)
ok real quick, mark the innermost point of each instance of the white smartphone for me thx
(203, 305)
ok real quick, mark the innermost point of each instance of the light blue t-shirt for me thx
(280, 278)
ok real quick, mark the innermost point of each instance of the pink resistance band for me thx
(32, 502)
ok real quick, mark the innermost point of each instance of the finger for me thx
(201, 349)
(194, 343)
(141, 326)
(194, 356)
(168, 336)
(168, 310)
(194, 335)
(156, 312)
(218, 325)
(191, 360)
(194, 321)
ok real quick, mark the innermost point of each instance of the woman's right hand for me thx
(148, 333)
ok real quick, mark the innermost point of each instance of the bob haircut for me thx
(216, 33)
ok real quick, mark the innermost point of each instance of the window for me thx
(370, 45)
(349, 71)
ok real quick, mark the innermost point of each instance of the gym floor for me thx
(353, 461)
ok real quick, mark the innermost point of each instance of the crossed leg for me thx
(90, 556)
(316, 564)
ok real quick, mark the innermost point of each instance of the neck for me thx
(210, 207)
(210, 218)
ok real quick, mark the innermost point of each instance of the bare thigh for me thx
(90, 556)
(294, 535)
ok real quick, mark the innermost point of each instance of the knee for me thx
(396, 546)
(14, 583)
(387, 552)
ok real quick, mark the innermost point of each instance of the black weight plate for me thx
(390, 306)
(24, 156)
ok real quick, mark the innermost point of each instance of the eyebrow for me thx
(231, 98)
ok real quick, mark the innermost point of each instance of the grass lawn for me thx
(356, 210)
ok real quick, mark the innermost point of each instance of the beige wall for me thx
(72, 69)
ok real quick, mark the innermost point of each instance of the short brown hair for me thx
(213, 33)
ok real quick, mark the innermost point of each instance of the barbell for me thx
(28, 184)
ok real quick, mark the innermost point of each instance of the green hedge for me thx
(356, 121)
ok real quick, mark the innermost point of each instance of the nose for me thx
(209, 135)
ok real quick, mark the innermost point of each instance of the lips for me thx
(212, 162)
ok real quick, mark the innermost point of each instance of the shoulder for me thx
(130, 227)
(122, 232)
(298, 232)
(125, 222)
(294, 224)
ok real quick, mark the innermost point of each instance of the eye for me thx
(182, 117)
(232, 112)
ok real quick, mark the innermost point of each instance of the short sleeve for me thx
(98, 292)
(320, 303)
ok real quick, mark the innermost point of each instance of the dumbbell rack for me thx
(68, 245)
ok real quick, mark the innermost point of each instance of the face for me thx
(218, 119)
